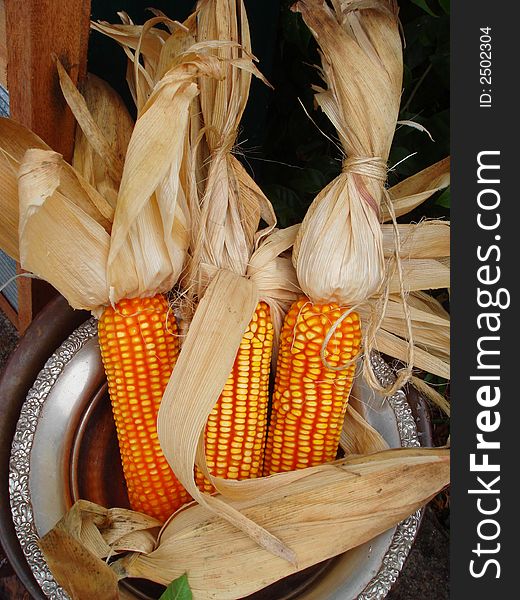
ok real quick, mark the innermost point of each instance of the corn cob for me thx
(139, 347)
(309, 399)
(236, 429)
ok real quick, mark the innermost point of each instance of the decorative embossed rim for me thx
(406, 530)
(19, 465)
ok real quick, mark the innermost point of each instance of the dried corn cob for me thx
(310, 400)
(139, 348)
(236, 429)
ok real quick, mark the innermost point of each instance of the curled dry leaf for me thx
(79, 572)
(415, 190)
(320, 513)
(15, 140)
(61, 237)
(88, 533)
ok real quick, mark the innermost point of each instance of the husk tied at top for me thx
(226, 221)
(338, 253)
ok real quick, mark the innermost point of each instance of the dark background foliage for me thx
(289, 156)
(305, 160)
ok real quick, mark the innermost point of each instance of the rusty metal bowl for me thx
(64, 447)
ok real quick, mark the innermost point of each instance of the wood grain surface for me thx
(36, 32)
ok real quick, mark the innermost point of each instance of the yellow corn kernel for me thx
(136, 382)
(310, 400)
(236, 427)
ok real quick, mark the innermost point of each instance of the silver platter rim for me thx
(19, 466)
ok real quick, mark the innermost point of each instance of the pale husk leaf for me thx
(427, 239)
(328, 512)
(90, 127)
(154, 153)
(351, 268)
(105, 532)
(52, 221)
(180, 40)
(430, 331)
(395, 346)
(114, 123)
(421, 274)
(275, 277)
(424, 301)
(412, 192)
(15, 140)
(232, 204)
(339, 250)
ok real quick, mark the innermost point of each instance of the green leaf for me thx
(288, 205)
(178, 589)
(444, 199)
(308, 181)
(445, 5)
(422, 4)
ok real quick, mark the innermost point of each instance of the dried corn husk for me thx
(150, 189)
(414, 190)
(113, 154)
(54, 219)
(150, 50)
(431, 331)
(15, 140)
(227, 222)
(87, 533)
(320, 512)
(338, 253)
(421, 274)
(77, 570)
(109, 531)
(430, 327)
(113, 122)
(427, 239)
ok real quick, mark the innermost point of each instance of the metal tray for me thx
(65, 448)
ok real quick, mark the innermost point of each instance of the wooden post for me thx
(36, 32)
